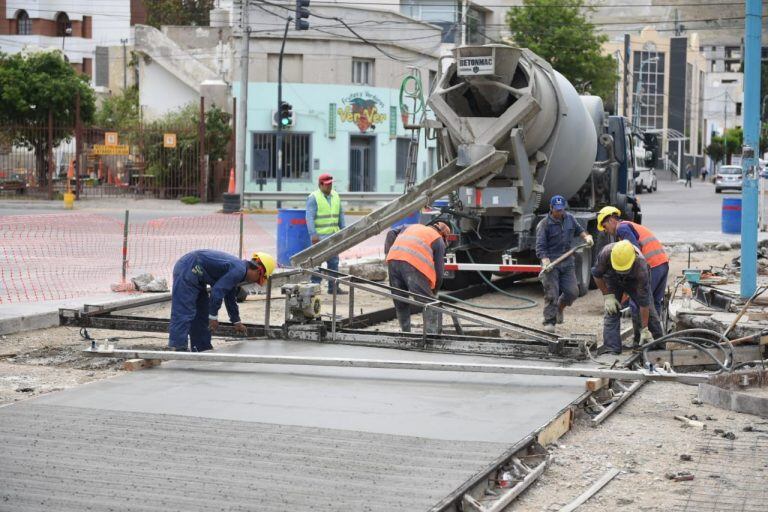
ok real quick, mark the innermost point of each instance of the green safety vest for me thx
(327, 218)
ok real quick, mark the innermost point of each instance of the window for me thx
(442, 13)
(648, 73)
(362, 71)
(23, 24)
(738, 108)
(297, 156)
(102, 66)
(476, 26)
(63, 27)
(402, 158)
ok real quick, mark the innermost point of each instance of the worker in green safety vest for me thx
(324, 218)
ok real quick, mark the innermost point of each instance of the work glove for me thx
(645, 336)
(315, 239)
(241, 329)
(589, 240)
(612, 305)
(213, 325)
(545, 263)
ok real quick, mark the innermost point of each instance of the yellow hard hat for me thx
(623, 256)
(267, 260)
(604, 212)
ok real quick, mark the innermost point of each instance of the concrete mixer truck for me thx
(511, 133)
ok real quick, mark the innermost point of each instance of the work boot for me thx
(549, 328)
(177, 349)
(604, 349)
(559, 318)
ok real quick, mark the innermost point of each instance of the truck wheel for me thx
(584, 270)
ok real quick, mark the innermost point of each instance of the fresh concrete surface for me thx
(197, 436)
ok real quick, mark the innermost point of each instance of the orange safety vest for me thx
(414, 246)
(650, 246)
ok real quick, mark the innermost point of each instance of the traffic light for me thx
(302, 11)
(285, 115)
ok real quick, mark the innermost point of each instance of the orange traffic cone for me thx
(101, 170)
(231, 188)
(70, 175)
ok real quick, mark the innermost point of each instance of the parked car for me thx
(645, 179)
(728, 177)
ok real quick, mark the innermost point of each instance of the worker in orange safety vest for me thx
(415, 262)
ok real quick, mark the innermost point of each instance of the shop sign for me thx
(363, 109)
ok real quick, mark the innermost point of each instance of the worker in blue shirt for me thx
(194, 316)
(324, 218)
(554, 237)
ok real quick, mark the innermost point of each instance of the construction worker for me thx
(324, 218)
(621, 269)
(609, 220)
(193, 314)
(415, 262)
(554, 237)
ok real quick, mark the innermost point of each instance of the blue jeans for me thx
(658, 287)
(331, 264)
(560, 288)
(189, 308)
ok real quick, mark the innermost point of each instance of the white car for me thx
(645, 179)
(728, 177)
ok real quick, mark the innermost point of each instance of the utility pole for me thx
(242, 108)
(626, 75)
(125, 64)
(279, 138)
(464, 9)
(725, 126)
(752, 47)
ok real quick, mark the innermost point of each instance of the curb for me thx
(48, 319)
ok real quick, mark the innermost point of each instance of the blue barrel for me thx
(731, 219)
(292, 234)
(411, 219)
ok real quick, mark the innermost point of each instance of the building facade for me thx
(663, 92)
(345, 92)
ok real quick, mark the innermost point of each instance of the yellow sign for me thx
(169, 140)
(99, 149)
(110, 138)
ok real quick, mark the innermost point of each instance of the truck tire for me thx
(584, 270)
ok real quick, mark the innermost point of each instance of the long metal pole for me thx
(752, 49)
(242, 108)
(279, 138)
(125, 245)
(435, 366)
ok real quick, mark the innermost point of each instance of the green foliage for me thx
(120, 112)
(34, 84)
(178, 12)
(559, 32)
(730, 144)
(190, 199)
(715, 150)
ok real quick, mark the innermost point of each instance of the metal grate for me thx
(730, 475)
(297, 155)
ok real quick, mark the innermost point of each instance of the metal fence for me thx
(151, 159)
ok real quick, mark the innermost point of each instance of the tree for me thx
(559, 32)
(178, 12)
(715, 150)
(120, 112)
(32, 84)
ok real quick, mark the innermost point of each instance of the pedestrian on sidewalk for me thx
(609, 220)
(621, 269)
(194, 316)
(688, 175)
(704, 173)
(415, 263)
(554, 237)
(325, 217)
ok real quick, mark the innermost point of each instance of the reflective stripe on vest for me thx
(327, 218)
(414, 246)
(650, 246)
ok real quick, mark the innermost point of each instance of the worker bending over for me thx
(621, 268)
(608, 220)
(194, 315)
(325, 217)
(415, 262)
(554, 237)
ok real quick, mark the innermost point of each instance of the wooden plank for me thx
(595, 383)
(132, 365)
(583, 497)
(692, 357)
(557, 428)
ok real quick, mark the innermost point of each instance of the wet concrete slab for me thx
(216, 436)
(438, 405)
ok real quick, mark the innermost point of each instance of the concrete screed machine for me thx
(511, 133)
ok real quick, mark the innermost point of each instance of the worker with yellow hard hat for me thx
(194, 316)
(609, 220)
(622, 269)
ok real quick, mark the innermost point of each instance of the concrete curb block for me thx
(45, 320)
(733, 400)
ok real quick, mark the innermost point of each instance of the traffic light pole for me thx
(279, 138)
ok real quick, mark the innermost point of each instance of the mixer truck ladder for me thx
(447, 179)
(411, 89)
